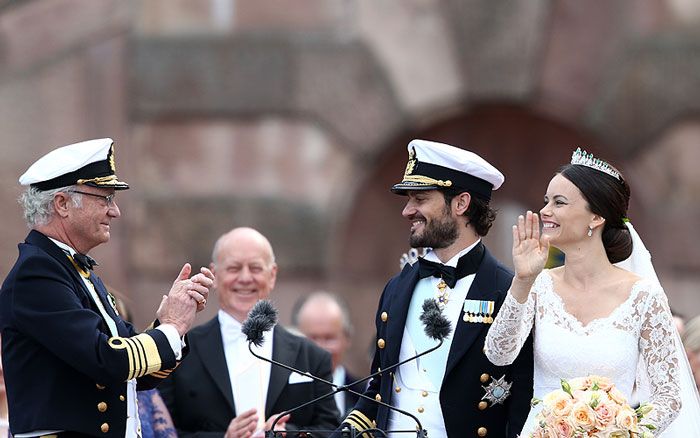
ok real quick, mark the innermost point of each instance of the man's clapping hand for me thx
(187, 296)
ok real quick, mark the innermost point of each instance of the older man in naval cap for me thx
(454, 391)
(72, 365)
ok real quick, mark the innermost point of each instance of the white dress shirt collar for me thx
(431, 256)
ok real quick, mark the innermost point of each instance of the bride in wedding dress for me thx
(591, 316)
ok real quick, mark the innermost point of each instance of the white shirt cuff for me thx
(176, 343)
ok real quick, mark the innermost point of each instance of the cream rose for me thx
(558, 402)
(617, 396)
(582, 415)
(626, 418)
(604, 384)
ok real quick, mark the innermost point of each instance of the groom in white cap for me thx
(454, 391)
(71, 364)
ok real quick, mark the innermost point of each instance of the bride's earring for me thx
(590, 231)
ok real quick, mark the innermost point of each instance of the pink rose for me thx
(605, 414)
(562, 427)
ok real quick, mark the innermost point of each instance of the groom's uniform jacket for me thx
(63, 368)
(468, 371)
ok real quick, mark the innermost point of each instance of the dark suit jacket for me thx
(350, 398)
(63, 369)
(462, 389)
(200, 398)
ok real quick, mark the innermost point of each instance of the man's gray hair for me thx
(37, 204)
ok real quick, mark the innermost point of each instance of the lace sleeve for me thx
(511, 328)
(656, 344)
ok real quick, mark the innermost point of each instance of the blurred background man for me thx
(222, 388)
(325, 319)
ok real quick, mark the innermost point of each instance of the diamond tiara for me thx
(583, 158)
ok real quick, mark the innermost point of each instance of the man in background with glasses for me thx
(72, 365)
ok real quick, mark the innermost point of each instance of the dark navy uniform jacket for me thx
(468, 370)
(63, 369)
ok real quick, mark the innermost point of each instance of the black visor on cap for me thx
(92, 171)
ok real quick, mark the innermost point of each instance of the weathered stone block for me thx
(499, 45)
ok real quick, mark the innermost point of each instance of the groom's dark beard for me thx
(439, 232)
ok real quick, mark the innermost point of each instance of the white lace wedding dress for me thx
(639, 334)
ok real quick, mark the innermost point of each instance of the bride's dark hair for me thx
(609, 198)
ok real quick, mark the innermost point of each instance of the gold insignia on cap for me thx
(111, 159)
(411, 162)
(100, 180)
(427, 180)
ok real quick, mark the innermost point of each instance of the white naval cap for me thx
(433, 165)
(89, 162)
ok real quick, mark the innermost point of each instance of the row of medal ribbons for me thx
(479, 311)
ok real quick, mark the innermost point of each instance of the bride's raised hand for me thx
(530, 250)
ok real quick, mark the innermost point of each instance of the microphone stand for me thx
(420, 433)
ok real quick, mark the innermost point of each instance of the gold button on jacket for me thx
(483, 405)
(385, 316)
(484, 378)
(381, 343)
(481, 431)
(104, 428)
(102, 406)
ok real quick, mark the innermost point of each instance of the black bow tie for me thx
(468, 264)
(84, 261)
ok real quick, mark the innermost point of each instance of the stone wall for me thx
(293, 115)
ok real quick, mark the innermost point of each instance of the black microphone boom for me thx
(261, 318)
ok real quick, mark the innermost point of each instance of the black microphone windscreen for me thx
(436, 325)
(261, 318)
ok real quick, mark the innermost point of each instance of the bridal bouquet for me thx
(588, 407)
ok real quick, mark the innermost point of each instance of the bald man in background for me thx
(223, 390)
(325, 319)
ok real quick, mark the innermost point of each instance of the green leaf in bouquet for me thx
(566, 387)
(643, 410)
(535, 401)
